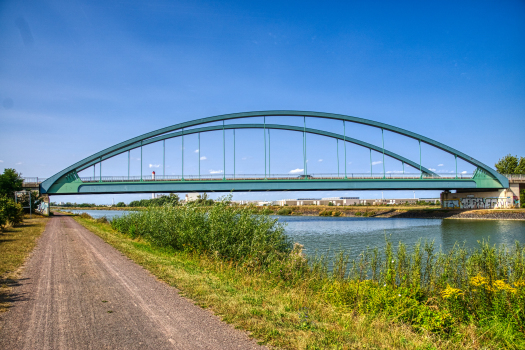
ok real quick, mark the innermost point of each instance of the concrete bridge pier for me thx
(470, 199)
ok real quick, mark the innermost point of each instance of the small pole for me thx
(30, 206)
(94, 175)
(269, 155)
(223, 153)
(337, 143)
(455, 156)
(305, 163)
(264, 132)
(371, 173)
(420, 172)
(163, 158)
(344, 136)
(403, 167)
(383, 139)
(141, 160)
(234, 153)
(128, 163)
(199, 156)
(100, 169)
(182, 152)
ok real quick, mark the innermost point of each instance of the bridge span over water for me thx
(68, 181)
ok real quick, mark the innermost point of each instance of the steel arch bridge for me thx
(68, 181)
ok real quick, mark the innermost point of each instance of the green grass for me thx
(385, 300)
(15, 245)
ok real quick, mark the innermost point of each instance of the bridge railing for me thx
(515, 176)
(219, 176)
(35, 180)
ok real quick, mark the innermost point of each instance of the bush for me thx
(86, 216)
(231, 233)
(284, 211)
(10, 212)
(325, 213)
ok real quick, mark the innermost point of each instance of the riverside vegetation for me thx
(244, 267)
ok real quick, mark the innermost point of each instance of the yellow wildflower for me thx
(519, 284)
(450, 292)
(501, 285)
(478, 281)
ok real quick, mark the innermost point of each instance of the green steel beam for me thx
(129, 144)
(77, 187)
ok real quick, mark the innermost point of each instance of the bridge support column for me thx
(496, 199)
(44, 207)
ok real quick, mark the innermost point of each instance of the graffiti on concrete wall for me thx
(478, 203)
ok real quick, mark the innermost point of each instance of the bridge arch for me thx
(69, 173)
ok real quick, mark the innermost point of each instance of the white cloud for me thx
(320, 160)
(296, 171)
(431, 169)
(394, 171)
(378, 162)
(440, 164)
(154, 165)
(464, 172)
(215, 171)
(196, 151)
(1, 161)
(18, 163)
(203, 158)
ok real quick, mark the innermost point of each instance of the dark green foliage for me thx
(330, 204)
(522, 198)
(10, 182)
(203, 200)
(511, 165)
(120, 204)
(172, 199)
(228, 232)
(284, 211)
(10, 212)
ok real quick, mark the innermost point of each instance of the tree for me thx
(520, 169)
(10, 182)
(511, 165)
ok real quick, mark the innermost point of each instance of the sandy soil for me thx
(77, 292)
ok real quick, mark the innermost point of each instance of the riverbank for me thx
(419, 212)
(295, 307)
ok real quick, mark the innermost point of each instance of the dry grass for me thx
(15, 245)
(276, 314)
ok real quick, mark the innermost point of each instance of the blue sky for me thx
(77, 77)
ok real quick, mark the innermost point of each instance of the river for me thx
(355, 234)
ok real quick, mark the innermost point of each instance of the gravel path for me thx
(77, 292)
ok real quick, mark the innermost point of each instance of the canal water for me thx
(355, 234)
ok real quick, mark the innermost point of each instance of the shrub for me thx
(10, 212)
(86, 216)
(325, 213)
(225, 231)
(284, 211)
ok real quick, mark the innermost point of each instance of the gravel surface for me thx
(77, 292)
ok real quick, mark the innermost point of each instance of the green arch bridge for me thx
(68, 181)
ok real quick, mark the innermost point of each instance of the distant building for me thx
(190, 197)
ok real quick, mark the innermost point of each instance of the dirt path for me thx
(77, 292)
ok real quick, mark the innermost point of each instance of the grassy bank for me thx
(387, 299)
(15, 245)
